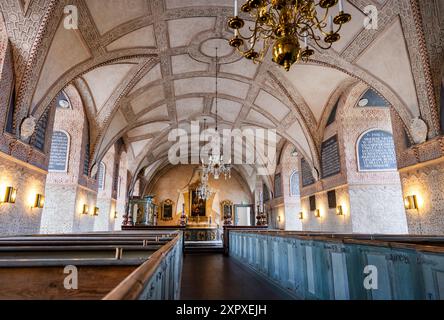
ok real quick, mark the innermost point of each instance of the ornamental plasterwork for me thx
(43, 18)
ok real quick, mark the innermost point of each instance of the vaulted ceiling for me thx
(144, 67)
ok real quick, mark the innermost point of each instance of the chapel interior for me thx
(334, 111)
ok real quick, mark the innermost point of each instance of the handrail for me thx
(133, 285)
(315, 266)
(400, 242)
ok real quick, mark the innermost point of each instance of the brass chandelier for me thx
(283, 25)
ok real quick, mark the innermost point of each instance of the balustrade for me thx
(342, 267)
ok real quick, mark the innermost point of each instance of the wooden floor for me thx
(212, 276)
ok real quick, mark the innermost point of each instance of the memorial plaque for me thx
(266, 193)
(376, 152)
(307, 175)
(331, 162)
(442, 107)
(59, 152)
(101, 176)
(86, 161)
(312, 201)
(331, 196)
(277, 186)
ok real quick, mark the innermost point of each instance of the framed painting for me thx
(167, 210)
(197, 205)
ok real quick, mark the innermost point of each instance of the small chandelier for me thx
(284, 24)
(203, 190)
(216, 164)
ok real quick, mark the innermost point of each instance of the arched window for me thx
(86, 155)
(38, 139)
(58, 160)
(442, 107)
(101, 176)
(371, 98)
(294, 184)
(332, 117)
(63, 101)
(10, 118)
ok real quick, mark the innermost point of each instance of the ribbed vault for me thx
(150, 68)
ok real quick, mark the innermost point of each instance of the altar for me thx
(202, 234)
(201, 220)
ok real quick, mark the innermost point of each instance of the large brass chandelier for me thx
(284, 25)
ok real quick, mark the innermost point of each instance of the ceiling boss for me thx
(283, 25)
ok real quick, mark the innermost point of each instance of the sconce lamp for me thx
(301, 215)
(85, 209)
(96, 211)
(317, 213)
(339, 211)
(115, 215)
(279, 218)
(411, 202)
(39, 201)
(9, 196)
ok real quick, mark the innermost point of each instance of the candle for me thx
(341, 7)
(330, 23)
(235, 8)
(306, 40)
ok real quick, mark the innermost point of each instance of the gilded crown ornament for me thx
(283, 25)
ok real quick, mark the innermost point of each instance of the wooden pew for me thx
(32, 267)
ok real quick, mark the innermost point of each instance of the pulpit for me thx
(142, 212)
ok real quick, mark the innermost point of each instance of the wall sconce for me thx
(279, 218)
(317, 213)
(301, 215)
(339, 211)
(39, 201)
(85, 209)
(96, 211)
(411, 202)
(9, 196)
(115, 215)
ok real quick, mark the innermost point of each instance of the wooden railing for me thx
(228, 229)
(336, 267)
(33, 267)
(157, 279)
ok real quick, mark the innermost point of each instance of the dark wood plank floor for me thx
(212, 276)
